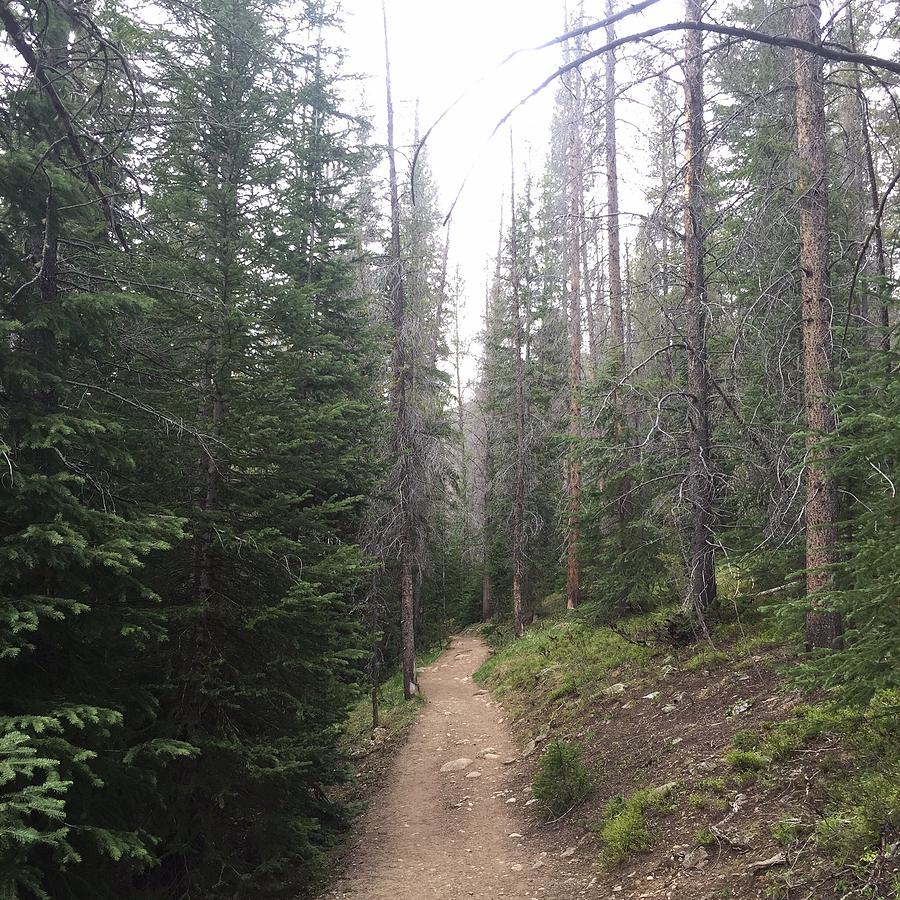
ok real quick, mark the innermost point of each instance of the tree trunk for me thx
(702, 576)
(401, 395)
(880, 317)
(823, 628)
(614, 263)
(518, 547)
(573, 475)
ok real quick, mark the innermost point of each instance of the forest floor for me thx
(448, 822)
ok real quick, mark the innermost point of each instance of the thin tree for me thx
(702, 575)
(881, 309)
(401, 396)
(573, 473)
(518, 511)
(614, 265)
(823, 627)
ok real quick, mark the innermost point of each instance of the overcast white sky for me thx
(439, 48)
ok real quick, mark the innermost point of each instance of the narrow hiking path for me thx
(457, 832)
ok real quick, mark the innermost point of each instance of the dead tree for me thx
(881, 307)
(401, 398)
(614, 265)
(702, 575)
(573, 473)
(518, 511)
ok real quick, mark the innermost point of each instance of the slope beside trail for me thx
(446, 835)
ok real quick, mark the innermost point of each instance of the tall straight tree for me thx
(823, 627)
(613, 249)
(401, 398)
(573, 257)
(702, 575)
(518, 510)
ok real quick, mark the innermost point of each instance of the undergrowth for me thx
(624, 829)
(562, 780)
(395, 714)
(863, 795)
(561, 659)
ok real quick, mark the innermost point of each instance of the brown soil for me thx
(446, 835)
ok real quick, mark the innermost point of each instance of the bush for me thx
(562, 780)
(624, 829)
(747, 760)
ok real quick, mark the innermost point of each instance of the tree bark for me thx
(881, 320)
(823, 627)
(702, 575)
(401, 395)
(613, 243)
(573, 475)
(518, 547)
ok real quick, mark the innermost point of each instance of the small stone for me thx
(567, 852)
(613, 690)
(696, 859)
(509, 761)
(668, 708)
(738, 708)
(456, 765)
(652, 696)
(473, 775)
(517, 867)
(515, 834)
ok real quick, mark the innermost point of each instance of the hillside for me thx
(712, 775)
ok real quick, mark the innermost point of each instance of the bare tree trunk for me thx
(702, 576)
(400, 396)
(883, 340)
(573, 475)
(823, 627)
(518, 547)
(616, 315)
(487, 586)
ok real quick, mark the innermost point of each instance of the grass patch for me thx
(396, 714)
(706, 659)
(560, 658)
(624, 829)
(747, 760)
(562, 779)
(787, 831)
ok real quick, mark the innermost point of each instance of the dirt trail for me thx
(454, 834)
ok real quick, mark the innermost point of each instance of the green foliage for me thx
(787, 831)
(186, 437)
(562, 780)
(747, 760)
(561, 657)
(867, 594)
(708, 658)
(624, 829)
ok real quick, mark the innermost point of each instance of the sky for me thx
(442, 48)
(439, 49)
